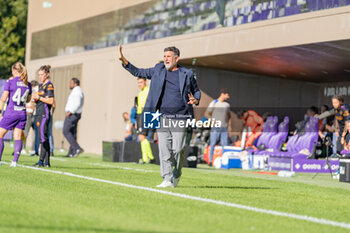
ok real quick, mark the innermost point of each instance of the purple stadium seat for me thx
(245, 10)
(208, 26)
(256, 17)
(297, 143)
(252, 8)
(311, 4)
(294, 2)
(277, 139)
(264, 14)
(293, 10)
(281, 3)
(335, 3)
(269, 130)
(211, 25)
(186, 10)
(344, 152)
(230, 21)
(245, 19)
(235, 12)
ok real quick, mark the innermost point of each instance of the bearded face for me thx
(170, 60)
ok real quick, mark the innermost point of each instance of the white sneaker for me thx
(13, 164)
(23, 152)
(176, 181)
(165, 184)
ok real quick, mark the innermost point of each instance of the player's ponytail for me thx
(21, 69)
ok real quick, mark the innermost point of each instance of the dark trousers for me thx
(70, 132)
(42, 124)
(220, 10)
(36, 136)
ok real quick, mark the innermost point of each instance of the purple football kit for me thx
(15, 113)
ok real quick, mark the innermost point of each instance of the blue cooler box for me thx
(230, 157)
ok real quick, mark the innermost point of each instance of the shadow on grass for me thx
(73, 229)
(226, 187)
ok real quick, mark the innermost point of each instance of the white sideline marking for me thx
(207, 200)
(125, 168)
(107, 165)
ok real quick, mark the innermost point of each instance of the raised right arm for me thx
(137, 72)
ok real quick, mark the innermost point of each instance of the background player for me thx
(19, 91)
(44, 101)
(147, 155)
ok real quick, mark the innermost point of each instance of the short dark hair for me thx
(313, 109)
(173, 49)
(338, 97)
(45, 68)
(224, 91)
(144, 79)
(76, 81)
(325, 106)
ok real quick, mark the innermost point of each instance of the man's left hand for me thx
(192, 99)
(68, 114)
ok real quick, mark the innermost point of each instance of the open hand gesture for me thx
(120, 51)
(121, 56)
(192, 99)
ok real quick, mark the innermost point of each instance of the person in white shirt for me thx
(74, 108)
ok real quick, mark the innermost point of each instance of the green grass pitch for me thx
(37, 201)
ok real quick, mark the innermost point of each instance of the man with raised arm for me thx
(173, 91)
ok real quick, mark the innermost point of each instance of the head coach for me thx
(173, 91)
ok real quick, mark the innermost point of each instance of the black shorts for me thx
(140, 128)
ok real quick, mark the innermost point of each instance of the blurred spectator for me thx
(300, 126)
(341, 112)
(73, 109)
(220, 10)
(254, 122)
(30, 108)
(325, 124)
(133, 113)
(147, 154)
(128, 127)
(133, 116)
(346, 151)
(220, 111)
